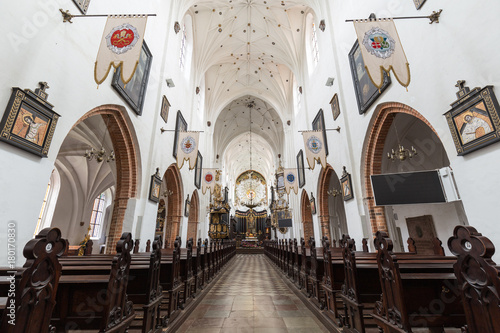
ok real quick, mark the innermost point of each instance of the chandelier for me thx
(401, 152)
(100, 155)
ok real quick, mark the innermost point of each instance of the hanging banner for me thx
(315, 148)
(382, 50)
(121, 45)
(208, 181)
(187, 149)
(291, 181)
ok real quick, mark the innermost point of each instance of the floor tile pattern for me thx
(251, 297)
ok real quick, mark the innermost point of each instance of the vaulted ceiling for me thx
(248, 50)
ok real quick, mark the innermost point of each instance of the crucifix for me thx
(462, 89)
(41, 91)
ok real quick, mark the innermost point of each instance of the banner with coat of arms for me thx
(291, 182)
(187, 149)
(315, 148)
(208, 181)
(121, 45)
(382, 50)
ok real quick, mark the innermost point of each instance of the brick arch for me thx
(175, 203)
(194, 218)
(306, 214)
(374, 153)
(123, 137)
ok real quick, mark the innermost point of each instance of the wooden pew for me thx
(205, 263)
(72, 250)
(478, 279)
(304, 283)
(197, 270)
(97, 302)
(297, 262)
(417, 291)
(333, 280)
(28, 307)
(316, 274)
(291, 259)
(186, 267)
(170, 282)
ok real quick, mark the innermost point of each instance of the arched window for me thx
(97, 217)
(311, 42)
(182, 58)
(49, 202)
(314, 44)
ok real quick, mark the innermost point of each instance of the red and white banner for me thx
(208, 181)
(187, 148)
(382, 50)
(121, 45)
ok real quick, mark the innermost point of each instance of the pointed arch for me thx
(173, 180)
(306, 214)
(124, 141)
(193, 219)
(374, 153)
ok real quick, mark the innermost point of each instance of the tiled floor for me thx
(251, 297)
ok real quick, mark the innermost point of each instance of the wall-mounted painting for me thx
(313, 204)
(165, 107)
(180, 126)
(419, 3)
(83, 5)
(346, 184)
(318, 124)
(300, 169)
(474, 119)
(187, 206)
(366, 92)
(154, 187)
(29, 121)
(134, 92)
(335, 106)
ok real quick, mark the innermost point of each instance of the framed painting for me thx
(180, 126)
(334, 103)
(165, 107)
(154, 187)
(346, 184)
(187, 206)
(197, 170)
(300, 169)
(83, 5)
(474, 119)
(419, 3)
(134, 92)
(29, 121)
(318, 124)
(313, 204)
(366, 92)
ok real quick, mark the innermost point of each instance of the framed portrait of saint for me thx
(165, 107)
(334, 103)
(180, 126)
(346, 184)
(300, 169)
(134, 92)
(318, 124)
(187, 207)
(474, 119)
(29, 121)
(154, 187)
(366, 92)
(312, 202)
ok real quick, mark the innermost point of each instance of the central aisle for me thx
(251, 297)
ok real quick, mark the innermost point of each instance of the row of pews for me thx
(391, 292)
(126, 292)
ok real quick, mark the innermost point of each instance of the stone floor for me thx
(251, 297)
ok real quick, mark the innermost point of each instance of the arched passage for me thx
(194, 218)
(82, 180)
(306, 214)
(397, 124)
(332, 216)
(173, 180)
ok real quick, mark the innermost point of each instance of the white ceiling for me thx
(248, 50)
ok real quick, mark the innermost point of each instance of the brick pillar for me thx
(115, 229)
(172, 230)
(324, 221)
